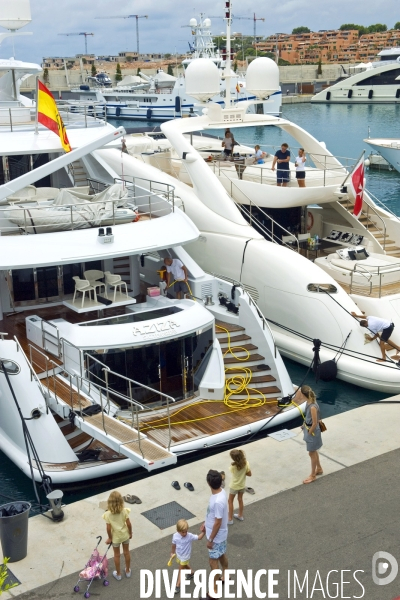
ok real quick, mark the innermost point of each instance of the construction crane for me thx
(137, 17)
(85, 34)
(253, 18)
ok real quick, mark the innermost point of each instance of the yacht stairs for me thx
(245, 356)
(375, 225)
(67, 400)
(79, 174)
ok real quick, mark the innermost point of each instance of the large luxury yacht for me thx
(374, 83)
(102, 365)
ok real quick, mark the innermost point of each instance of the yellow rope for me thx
(241, 383)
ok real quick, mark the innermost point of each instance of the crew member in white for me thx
(375, 325)
(180, 275)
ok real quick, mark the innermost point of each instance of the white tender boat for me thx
(389, 148)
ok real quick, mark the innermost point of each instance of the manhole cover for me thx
(167, 515)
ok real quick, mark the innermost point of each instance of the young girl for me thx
(311, 430)
(182, 547)
(240, 468)
(119, 531)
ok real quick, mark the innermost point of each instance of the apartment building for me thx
(329, 46)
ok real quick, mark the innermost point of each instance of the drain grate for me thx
(167, 515)
(11, 579)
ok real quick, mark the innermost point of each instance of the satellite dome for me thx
(193, 22)
(207, 23)
(15, 14)
(262, 77)
(202, 79)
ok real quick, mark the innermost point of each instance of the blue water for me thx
(343, 129)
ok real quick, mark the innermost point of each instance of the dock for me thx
(336, 523)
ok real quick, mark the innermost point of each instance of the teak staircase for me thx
(370, 224)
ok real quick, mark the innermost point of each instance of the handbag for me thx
(322, 426)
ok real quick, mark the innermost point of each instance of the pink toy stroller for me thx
(96, 568)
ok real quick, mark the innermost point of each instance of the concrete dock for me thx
(333, 525)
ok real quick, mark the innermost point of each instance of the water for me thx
(343, 129)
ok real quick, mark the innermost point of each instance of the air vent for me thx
(252, 291)
(206, 290)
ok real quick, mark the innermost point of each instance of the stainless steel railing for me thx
(371, 273)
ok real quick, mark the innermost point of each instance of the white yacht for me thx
(102, 369)
(389, 148)
(166, 97)
(301, 301)
(374, 83)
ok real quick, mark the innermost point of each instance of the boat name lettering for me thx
(155, 328)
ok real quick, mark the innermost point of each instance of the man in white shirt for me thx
(179, 274)
(216, 526)
(375, 325)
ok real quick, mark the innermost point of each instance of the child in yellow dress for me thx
(119, 531)
(240, 469)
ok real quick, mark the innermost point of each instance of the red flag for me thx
(357, 183)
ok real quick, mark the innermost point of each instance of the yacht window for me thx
(145, 315)
(10, 366)
(322, 288)
(388, 78)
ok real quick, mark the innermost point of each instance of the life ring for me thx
(310, 221)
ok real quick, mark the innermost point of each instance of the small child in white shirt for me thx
(182, 546)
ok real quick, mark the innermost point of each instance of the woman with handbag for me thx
(312, 431)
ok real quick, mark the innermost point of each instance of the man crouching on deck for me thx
(180, 275)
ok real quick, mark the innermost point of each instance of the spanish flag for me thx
(49, 116)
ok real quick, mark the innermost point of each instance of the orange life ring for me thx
(310, 221)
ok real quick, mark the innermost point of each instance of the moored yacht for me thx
(389, 148)
(101, 367)
(375, 83)
(166, 97)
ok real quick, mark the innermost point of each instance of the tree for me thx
(397, 25)
(282, 62)
(167, 55)
(118, 74)
(301, 29)
(351, 26)
(170, 70)
(319, 68)
(94, 70)
(377, 28)
(235, 66)
(46, 75)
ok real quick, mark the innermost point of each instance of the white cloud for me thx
(163, 31)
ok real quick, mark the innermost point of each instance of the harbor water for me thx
(342, 128)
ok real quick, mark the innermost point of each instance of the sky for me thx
(164, 29)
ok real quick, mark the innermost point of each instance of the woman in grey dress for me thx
(312, 431)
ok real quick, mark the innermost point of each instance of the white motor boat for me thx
(166, 97)
(389, 148)
(374, 83)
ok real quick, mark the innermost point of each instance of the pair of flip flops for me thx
(250, 490)
(132, 499)
(188, 485)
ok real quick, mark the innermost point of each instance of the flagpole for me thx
(356, 163)
(37, 106)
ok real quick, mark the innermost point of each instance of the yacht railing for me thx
(48, 336)
(242, 286)
(382, 205)
(348, 203)
(2, 334)
(368, 273)
(76, 114)
(28, 216)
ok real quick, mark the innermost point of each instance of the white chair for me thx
(83, 286)
(94, 277)
(115, 281)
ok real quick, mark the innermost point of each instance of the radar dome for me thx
(15, 14)
(262, 77)
(207, 23)
(193, 23)
(202, 79)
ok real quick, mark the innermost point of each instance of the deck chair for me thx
(115, 281)
(83, 286)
